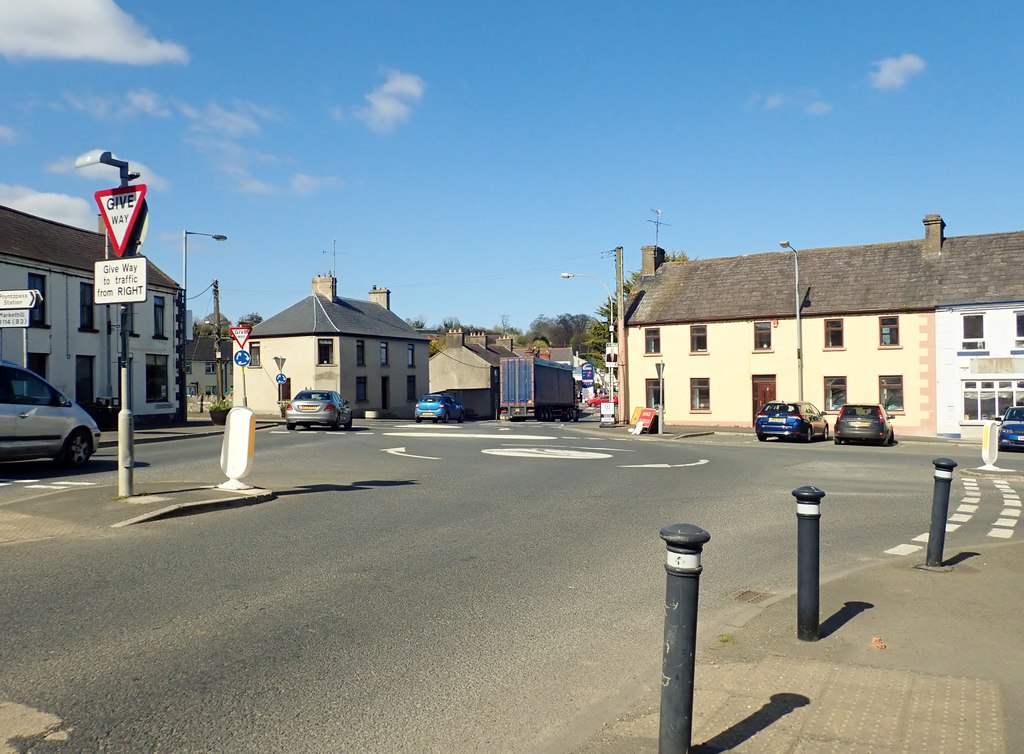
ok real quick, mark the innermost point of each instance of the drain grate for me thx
(748, 595)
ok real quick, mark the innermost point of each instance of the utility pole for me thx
(623, 358)
(216, 338)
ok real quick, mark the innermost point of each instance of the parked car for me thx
(597, 400)
(38, 421)
(1011, 428)
(864, 421)
(439, 407)
(310, 407)
(797, 421)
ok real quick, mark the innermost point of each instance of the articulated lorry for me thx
(538, 389)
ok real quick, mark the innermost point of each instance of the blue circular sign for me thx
(242, 358)
(281, 379)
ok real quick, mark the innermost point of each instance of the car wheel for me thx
(419, 419)
(290, 425)
(444, 418)
(348, 424)
(891, 439)
(837, 441)
(77, 449)
(336, 424)
(434, 420)
(762, 438)
(809, 434)
(824, 434)
(462, 417)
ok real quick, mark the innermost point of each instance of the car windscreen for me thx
(1015, 415)
(309, 395)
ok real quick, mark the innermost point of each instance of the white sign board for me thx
(14, 318)
(18, 299)
(120, 281)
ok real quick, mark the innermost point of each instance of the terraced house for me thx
(932, 328)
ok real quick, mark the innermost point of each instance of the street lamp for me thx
(611, 326)
(799, 329)
(182, 321)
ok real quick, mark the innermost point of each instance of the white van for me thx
(38, 421)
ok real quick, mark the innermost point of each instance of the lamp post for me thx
(660, 366)
(799, 329)
(611, 327)
(182, 319)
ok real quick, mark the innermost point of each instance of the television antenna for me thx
(657, 225)
(334, 253)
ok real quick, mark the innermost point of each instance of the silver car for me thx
(38, 421)
(310, 407)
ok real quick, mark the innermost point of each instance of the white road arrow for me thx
(664, 465)
(401, 452)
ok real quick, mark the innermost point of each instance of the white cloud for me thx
(818, 108)
(70, 210)
(773, 101)
(309, 184)
(806, 100)
(216, 132)
(6, 134)
(137, 102)
(391, 103)
(80, 30)
(893, 73)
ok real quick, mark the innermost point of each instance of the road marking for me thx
(43, 487)
(76, 484)
(401, 452)
(1001, 533)
(701, 462)
(967, 509)
(558, 453)
(434, 433)
(903, 549)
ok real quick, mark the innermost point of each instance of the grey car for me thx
(310, 407)
(38, 421)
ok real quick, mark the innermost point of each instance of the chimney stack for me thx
(653, 258)
(933, 234)
(381, 296)
(454, 339)
(477, 339)
(326, 286)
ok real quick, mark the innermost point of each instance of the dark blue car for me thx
(1011, 428)
(796, 421)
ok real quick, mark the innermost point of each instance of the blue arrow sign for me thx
(281, 379)
(242, 358)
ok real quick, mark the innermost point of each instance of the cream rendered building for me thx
(725, 329)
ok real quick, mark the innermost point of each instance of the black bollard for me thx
(685, 543)
(940, 510)
(808, 560)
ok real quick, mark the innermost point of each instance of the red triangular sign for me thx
(241, 335)
(120, 208)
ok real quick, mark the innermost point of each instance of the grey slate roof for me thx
(36, 239)
(889, 277)
(318, 315)
(201, 349)
(493, 354)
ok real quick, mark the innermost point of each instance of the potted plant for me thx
(219, 410)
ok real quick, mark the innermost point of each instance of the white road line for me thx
(967, 509)
(959, 517)
(1011, 522)
(920, 538)
(1010, 512)
(952, 527)
(76, 484)
(434, 433)
(1001, 533)
(43, 487)
(903, 549)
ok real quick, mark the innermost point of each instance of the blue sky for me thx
(464, 154)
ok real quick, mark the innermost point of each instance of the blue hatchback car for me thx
(797, 421)
(439, 407)
(1011, 428)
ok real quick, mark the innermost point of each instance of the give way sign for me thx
(241, 335)
(120, 208)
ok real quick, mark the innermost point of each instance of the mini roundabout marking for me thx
(548, 453)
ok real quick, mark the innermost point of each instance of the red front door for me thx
(763, 391)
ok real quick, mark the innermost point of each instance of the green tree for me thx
(252, 318)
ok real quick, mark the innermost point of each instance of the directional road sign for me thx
(120, 208)
(241, 335)
(242, 358)
(19, 299)
(14, 318)
(281, 379)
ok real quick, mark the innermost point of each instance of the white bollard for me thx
(236, 452)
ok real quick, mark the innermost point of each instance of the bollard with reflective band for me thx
(684, 542)
(940, 510)
(808, 561)
(236, 451)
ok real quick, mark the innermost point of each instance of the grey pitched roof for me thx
(317, 315)
(201, 349)
(36, 239)
(493, 354)
(888, 277)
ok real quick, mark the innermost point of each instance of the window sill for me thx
(699, 353)
(159, 337)
(327, 364)
(652, 353)
(88, 329)
(38, 326)
(972, 353)
(700, 410)
(827, 349)
(763, 350)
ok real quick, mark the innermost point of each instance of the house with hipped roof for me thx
(75, 343)
(359, 348)
(932, 328)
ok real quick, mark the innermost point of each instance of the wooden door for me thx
(763, 390)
